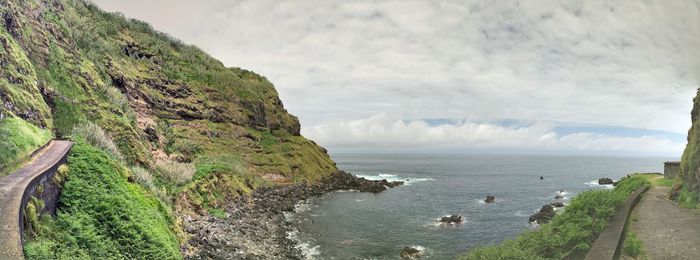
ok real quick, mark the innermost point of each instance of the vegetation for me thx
(174, 128)
(632, 246)
(102, 215)
(18, 139)
(571, 232)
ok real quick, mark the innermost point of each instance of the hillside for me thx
(688, 189)
(192, 133)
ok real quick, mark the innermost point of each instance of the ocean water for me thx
(353, 225)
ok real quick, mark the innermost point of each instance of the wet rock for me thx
(410, 253)
(453, 219)
(557, 204)
(257, 227)
(489, 199)
(605, 181)
(545, 214)
(558, 197)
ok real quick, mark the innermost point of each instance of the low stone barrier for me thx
(608, 244)
(17, 189)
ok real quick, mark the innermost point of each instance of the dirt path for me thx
(12, 188)
(667, 231)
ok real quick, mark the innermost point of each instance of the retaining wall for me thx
(16, 190)
(608, 244)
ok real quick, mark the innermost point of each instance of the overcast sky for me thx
(612, 77)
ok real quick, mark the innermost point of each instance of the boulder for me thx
(489, 199)
(558, 197)
(410, 253)
(453, 219)
(605, 181)
(545, 214)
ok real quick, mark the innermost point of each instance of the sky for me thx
(571, 77)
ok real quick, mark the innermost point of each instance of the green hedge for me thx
(572, 231)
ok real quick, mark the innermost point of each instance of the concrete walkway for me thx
(666, 230)
(12, 190)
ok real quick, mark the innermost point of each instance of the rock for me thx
(489, 199)
(615, 183)
(557, 204)
(410, 253)
(453, 219)
(605, 181)
(545, 214)
(558, 197)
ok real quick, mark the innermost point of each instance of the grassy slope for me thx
(17, 140)
(574, 230)
(67, 63)
(102, 215)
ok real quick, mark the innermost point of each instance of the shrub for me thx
(144, 177)
(95, 136)
(175, 172)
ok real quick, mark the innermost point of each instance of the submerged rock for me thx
(410, 253)
(489, 199)
(605, 181)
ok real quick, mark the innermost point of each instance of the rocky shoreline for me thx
(255, 227)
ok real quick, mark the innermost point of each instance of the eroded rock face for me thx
(605, 181)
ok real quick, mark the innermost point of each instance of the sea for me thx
(355, 225)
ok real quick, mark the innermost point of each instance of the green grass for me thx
(632, 246)
(572, 231)
(102, 215)
(657, 180)
(18, 139)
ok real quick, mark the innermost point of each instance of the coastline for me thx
(255, 226)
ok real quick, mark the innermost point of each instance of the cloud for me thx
(626, 63)
(381, 132)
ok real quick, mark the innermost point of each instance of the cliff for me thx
(690, 162)
(67, 62)
(189, 131)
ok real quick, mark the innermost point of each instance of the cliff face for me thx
(65, 63)
(690, 162)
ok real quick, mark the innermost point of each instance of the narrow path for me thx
(666, 230)
(12, 189)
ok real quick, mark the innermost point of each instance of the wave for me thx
(594, 183)
(393, 177)
(308, 250)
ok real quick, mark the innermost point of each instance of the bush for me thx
(103, 216)
(95, 136)
(572, 231)
(175, 172)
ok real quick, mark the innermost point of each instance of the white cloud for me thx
(380, 131)
(627, 63)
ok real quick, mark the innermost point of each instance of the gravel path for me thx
(667, 231)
